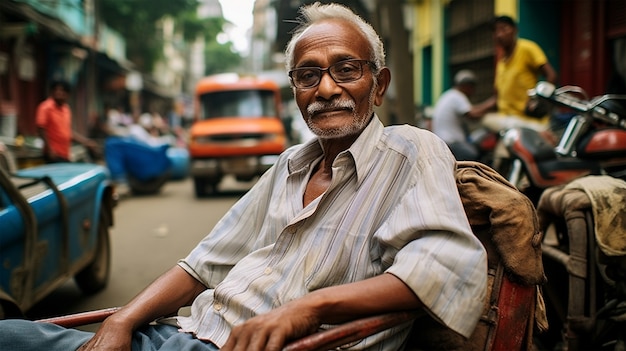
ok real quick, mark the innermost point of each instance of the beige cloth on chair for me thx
(505, 221)
(489, 199)
(608, 200)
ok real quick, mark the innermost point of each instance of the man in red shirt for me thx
(54, 123)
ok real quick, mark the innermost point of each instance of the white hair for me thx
(316, 12)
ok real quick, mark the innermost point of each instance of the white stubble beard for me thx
(358, 122)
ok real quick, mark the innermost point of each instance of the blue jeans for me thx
(22, 335)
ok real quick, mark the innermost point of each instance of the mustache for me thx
(318, 106)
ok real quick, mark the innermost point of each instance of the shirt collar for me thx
(361, 150)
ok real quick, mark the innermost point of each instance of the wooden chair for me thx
(505, 221)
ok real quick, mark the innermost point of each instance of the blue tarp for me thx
(127, 156)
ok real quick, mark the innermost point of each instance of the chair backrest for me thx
(505, 221)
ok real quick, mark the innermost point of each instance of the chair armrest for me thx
(83, 318)
(351, 331)
(324, 340)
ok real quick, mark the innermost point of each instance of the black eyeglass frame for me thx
(328, 69)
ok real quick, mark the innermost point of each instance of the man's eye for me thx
(307, 75)
(346, 68)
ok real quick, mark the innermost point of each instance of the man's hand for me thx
(271, 331)
(172, 290)
(112, 336)
(333, 305)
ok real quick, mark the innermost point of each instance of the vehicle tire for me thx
(147, 187)
(95, 276)
(9, 310)
(204, 187)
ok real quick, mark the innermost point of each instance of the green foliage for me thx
(220, 58)
(192, 26)
(120, 14)
(137, 21)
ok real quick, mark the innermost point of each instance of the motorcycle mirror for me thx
(544, 89)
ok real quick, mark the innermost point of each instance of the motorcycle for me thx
(485, 141)
(585, 295)
(593, 143)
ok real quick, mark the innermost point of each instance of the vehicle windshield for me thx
(240, 103)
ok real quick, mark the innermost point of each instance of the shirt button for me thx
(217, 306)
(267, 270)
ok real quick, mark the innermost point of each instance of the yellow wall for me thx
(428, 32)
(438, 42)
(505, 7)
(420, 37)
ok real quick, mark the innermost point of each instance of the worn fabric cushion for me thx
(604, 196)
(506, 223)
(608, 199)
(489, 199)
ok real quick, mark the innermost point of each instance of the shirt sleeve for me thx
(462, 104)
(434, 251)
(41, 116)
(536, 55)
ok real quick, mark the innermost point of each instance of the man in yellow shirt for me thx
(520, 63)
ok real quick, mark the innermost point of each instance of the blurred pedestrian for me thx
(520, 64)
(54, 124)
(454, 114)
(147, 131)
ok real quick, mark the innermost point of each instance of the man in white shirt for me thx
(454, 114)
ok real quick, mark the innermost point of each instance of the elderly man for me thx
(360, 220)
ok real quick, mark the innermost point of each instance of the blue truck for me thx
(54, 226)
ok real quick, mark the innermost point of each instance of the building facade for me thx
(427, 41)
(42, 41)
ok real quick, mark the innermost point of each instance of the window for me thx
(240, 103)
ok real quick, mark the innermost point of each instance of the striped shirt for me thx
(392, 206)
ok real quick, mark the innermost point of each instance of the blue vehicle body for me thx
(145, 167)
(179, 158)
(54, 222)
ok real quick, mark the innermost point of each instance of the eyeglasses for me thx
(341, 72)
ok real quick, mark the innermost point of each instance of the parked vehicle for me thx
(593, 143)
(54, 222)
(237, 130)
(485, 141)
(584, 259)
(585, 293)
(145, 168)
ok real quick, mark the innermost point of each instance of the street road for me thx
(149, 235)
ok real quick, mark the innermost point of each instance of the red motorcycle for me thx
(593, 143)
(585, 293)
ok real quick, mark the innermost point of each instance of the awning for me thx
(53, 25)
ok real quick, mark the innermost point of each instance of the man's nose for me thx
(327, 87)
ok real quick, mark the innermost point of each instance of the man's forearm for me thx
(332, 305)
(380, 294)
(171, 291)
(480, 109)
(81, 139)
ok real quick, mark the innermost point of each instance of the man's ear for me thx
(384, 78)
